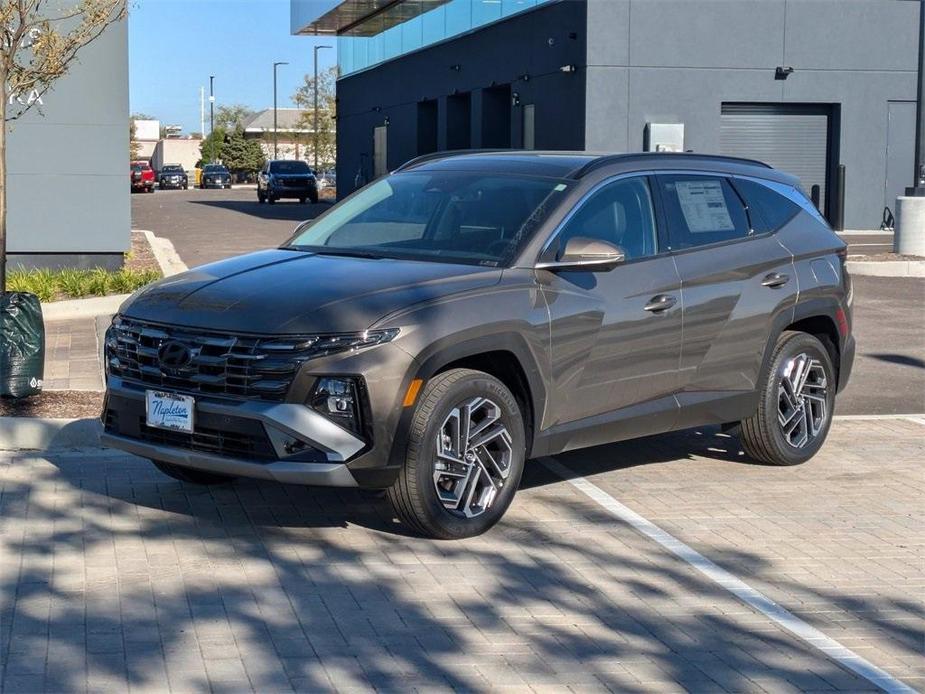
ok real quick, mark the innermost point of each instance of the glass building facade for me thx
(369, 42)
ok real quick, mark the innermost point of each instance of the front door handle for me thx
(775, 279)
(660, 302)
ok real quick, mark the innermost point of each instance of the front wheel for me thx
(797, 398)
(465, 456)
(191, 475)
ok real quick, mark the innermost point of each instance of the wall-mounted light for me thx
(525, 77)
(455, 67)
(515, 99)
(782, 72)
(377, 109)
(568, 68)
(387, 121)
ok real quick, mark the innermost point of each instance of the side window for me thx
(702, 210)
(620, 213)
(769, 210)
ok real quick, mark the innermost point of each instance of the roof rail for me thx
(436, 156)
(613, 158)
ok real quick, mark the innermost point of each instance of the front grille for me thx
(247, 441)
(223, 365)
(295, 182)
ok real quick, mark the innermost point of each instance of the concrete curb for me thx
(44, 433)
(166, 255)
(887, 268)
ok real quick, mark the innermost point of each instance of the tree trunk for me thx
(3, 105)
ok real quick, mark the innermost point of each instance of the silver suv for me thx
(435, 330)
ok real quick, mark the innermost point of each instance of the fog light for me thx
(338, 400)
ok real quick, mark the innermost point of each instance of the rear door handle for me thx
(775, 279)
(660, 302)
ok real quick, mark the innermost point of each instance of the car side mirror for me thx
(583, 253)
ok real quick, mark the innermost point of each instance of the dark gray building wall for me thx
(68, 164)
(535, 44)
(679, 60)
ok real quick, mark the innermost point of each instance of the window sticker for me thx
(704, 206)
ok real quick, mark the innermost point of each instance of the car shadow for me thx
(291, 210)
(900, 359)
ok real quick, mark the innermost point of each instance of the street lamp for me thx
(211, 118)
(275, 130)
(315, 131)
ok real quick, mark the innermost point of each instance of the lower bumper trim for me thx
(315, 474)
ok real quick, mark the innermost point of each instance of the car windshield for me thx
(139, 167)
(216, 169)
(459, 217)
(172, 169)
(289, 167)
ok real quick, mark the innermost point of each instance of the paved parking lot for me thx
(115, 578)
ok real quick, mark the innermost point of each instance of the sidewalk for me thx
(72, 354)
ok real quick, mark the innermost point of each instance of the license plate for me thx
(169, 411)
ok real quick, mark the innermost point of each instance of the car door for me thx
(736, 278)
(615, 335)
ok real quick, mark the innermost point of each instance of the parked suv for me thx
(141, 176)
(172, 176)
(443, 325)
(286, 179)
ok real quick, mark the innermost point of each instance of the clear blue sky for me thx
(174, 45)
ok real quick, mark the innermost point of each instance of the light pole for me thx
(275, 130)
(211, 118)
(315, 127)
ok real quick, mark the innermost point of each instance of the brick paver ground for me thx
(72, 355)
(116, 578)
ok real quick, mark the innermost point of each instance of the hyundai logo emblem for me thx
(174, 355)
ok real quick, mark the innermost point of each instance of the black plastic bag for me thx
(22, 345)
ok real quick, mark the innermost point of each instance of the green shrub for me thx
(69, 283)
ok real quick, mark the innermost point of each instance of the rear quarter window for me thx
(768, 209)
(702, 210)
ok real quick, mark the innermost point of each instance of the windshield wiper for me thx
(345, 252)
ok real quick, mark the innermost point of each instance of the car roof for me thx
(577, 165)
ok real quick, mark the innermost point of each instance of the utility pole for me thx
(211, 118)
(918, 181)
(275, 128)
(202, 111)
(315, 127)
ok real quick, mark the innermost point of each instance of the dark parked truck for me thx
(142, 177)
(172, 176)
(215, 176)
(286, 179)
(445, 324)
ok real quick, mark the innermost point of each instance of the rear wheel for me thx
(191, 475)
(313, 196)
(261, 198)
(465, 456)
(797, 398)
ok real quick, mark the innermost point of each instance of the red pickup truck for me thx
(142, 176)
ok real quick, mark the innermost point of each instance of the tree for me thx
(212, 146)
(134, 149)
(37, 48)
(326, 137)
(232, 117)
(242, 155)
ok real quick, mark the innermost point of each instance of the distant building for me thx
(294, 140)
(175, 150)
(147, 134)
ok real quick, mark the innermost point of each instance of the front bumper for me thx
(285, 442)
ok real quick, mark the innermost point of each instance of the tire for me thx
(313, 197)
(302, 201)
(792, 420)
(414, 495)
(271, 200)
(261, 198)
(191, 475)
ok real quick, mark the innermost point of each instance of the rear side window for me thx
(702, 210)
(769, 210)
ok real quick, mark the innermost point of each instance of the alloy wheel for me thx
(473, 457)
(802, 404)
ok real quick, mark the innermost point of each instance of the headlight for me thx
(338, 399)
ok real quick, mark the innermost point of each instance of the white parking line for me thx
(917, 418)
(758, 601)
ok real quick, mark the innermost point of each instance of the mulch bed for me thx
(141, 256)
(66, 404)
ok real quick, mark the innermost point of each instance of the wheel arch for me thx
(816, 317)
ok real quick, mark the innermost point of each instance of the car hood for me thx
(289, 292)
